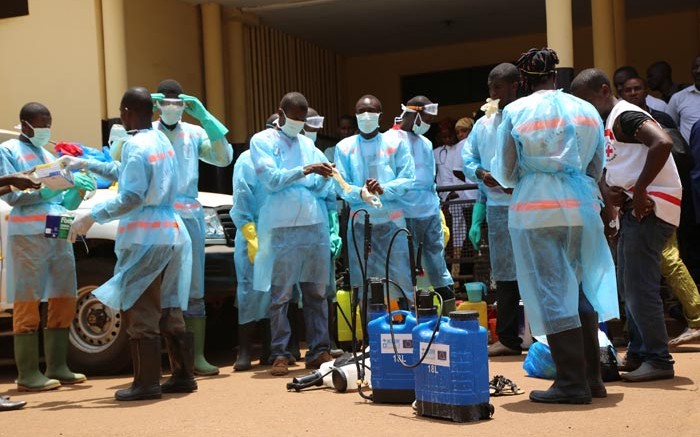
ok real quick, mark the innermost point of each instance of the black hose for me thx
(388, 299)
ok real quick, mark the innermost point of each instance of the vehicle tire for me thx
(99, 344)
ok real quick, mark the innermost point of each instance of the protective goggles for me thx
(170, 102)
(315, 122)
(430, 109)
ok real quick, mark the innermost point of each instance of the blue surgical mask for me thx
(291, 128)
(41, 135)
(422, 128)
(311, 135)
(368, 122)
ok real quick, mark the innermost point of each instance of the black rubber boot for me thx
(181, 354)
(591, 350)
(294, 325)
(145, 354)
(570, 385)
(335, 351)
(245, 333)
(265, 333)
(507, 323)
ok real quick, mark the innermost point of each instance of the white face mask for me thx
(368, 122)
(171, 114)
(41, 135)
(292, 128)
(311, 135)
(422, 128)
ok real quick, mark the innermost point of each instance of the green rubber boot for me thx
(197, 325)
(27, 359)
(56, 354)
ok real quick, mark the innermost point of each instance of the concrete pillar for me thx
(560, 37)
(212, 42)
(620, 16)
(114, 46)
(603, 36)
(236, 79)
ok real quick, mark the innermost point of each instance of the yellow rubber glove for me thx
(251, 236)
(445, 229)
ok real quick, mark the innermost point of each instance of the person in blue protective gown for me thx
(477, 153)
(421, 204)
(550, 149)
(16, 181)
(313, 124)
(293, 230)
(253, 306)
(376, 168)
(39, 268)
(150, 236)
(192, 144)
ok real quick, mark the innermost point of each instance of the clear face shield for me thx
(171, 110)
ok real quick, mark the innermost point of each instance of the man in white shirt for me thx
(625, 73)
(684, 106)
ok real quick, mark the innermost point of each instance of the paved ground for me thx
(253, 403)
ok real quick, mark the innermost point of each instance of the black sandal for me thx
(502, 386)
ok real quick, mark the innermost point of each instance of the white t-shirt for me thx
(625, 162)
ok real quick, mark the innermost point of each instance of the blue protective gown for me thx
(150, 234)
(478, 151)
(551, 150)
(38, 268)
(292, 200)
(421, 206)
(191, 144)
(389, 161)
(247, 196)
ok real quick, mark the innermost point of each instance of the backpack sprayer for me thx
(449, 374)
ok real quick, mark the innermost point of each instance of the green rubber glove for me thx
(478, 216)
(48, 193)
(156, 97)
(83, 182)
(334, 229)
(214, 128)
(72, 197)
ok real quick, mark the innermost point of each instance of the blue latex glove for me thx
(478, 216)
(213, 127)
(334, 228)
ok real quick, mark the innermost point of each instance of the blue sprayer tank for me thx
(391, 382)
(453, 380)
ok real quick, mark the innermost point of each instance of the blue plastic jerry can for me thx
(391, 382)
(453, 380)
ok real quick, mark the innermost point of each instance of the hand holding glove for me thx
(81, 225)
(251, 236)
(334, 228)
(72, 163)
(478, 216)
(213, 127)
(370, 198)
